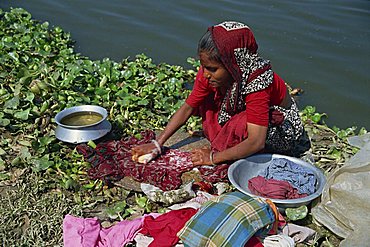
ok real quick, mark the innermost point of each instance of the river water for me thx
(322, 47)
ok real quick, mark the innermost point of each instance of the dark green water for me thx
(322, 47)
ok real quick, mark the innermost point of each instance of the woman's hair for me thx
(207, 45)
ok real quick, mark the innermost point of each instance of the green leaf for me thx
(143, 102)
(316, 117)
(101, 91)
(24, 153)
(123, 93)
(14, 56)
(310, 110)
(4, 176)
(111, 213)
(30, 96)
(114, 211)
(43, 163)
(362, 131)
(71, 184)
(17, 89)
(91, 144)
(295, 214)
(12, 103)
(120, 206)
(16, 161)
(23, 115)
(141, 201)
(46, 140)
(25, 143)
(4, 122)
(336, 154)
(3, 91)
(161, 76)
(88, 186)
(127, 74)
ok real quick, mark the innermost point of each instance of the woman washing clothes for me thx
(245, 107)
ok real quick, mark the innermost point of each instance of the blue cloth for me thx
(300, 177)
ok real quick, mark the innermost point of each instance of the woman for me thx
(245, 106)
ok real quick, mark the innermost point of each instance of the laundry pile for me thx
(283, 179)
(205, 213)
(231, 219)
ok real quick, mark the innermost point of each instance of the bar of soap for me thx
(144, 159)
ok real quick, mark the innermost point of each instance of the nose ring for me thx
(208, 76)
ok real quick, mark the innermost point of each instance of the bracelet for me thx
(157, 146)
(211, 158)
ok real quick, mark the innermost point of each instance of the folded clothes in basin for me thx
(272, 188)
(301, 178)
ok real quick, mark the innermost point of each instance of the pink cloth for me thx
(80, 232)
(272, 188)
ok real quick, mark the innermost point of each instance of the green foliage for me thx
(121, 209)
(41, 75)
(309, 113)
(330, 147)
(117, 210)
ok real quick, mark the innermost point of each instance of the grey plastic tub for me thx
(244, 169)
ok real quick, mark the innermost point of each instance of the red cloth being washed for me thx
(165, 227)
(272, 188)
(111, 161)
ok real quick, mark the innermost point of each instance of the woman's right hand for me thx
(151, 150)
(145, 152)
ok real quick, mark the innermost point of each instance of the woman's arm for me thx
(253, 144)
(177, 120)
(198, 94)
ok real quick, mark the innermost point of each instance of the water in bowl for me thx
(81, 118)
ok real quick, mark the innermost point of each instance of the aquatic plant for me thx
(41, 75)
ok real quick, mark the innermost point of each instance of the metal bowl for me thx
(84, 133)
(244, 169)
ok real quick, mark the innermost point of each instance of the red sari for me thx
(207, 100)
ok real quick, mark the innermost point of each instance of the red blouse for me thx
(257, 103)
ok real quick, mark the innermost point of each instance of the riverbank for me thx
(43, 179)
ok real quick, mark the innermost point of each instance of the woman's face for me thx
(215, 71)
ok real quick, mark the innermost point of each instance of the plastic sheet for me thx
(345, 201)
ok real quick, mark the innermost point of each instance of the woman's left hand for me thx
(200, 156)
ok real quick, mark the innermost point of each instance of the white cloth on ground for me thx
(278, 240)
(300, 234)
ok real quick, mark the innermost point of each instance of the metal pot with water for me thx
(83, 123)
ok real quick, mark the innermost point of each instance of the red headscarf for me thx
(237, 47)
